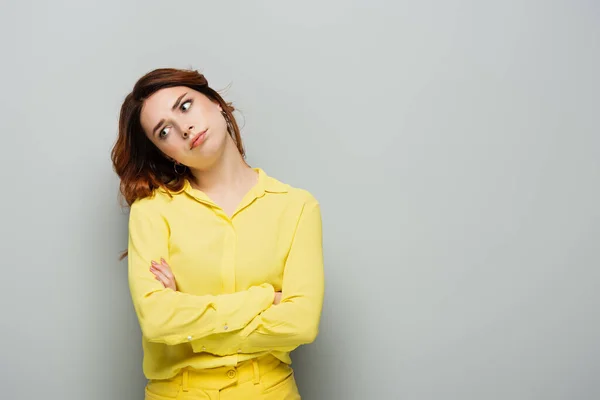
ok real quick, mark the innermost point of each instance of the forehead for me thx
(159, 105)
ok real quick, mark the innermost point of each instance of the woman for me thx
(225, 262)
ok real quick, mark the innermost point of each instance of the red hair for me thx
(139, 164)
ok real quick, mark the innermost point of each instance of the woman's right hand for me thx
(163, 274)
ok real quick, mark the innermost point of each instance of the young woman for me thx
(225, 262)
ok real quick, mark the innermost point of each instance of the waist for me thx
(219, 377)
(163, 362)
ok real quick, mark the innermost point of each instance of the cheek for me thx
(171, 149)
(207, 113)
(168, 147)
(218, 123)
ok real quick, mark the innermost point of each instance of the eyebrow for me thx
(162, 121)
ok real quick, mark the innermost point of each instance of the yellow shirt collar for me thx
(265, 184)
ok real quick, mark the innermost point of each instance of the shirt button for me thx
(239, 350)
(203, 348)
(231, 374)
(225, 327)
(189, 338)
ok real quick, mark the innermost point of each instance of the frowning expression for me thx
(185, 125)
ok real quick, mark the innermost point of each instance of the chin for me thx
(205, 157)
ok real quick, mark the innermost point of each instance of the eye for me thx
(186, 105)
(164, 132)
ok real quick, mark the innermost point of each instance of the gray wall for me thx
(454, 146)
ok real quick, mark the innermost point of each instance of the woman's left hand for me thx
(163, 273)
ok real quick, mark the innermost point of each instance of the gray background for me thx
(454, 146)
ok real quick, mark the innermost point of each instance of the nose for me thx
(188, 132)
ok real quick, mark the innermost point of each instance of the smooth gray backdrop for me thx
(454, 146)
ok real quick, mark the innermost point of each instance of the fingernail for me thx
(153, 262)
(162, 260)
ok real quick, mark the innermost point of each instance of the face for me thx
(185, 125)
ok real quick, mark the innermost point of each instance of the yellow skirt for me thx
(264, 378)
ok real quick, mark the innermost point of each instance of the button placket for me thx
(229, 256)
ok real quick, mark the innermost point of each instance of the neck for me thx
(229, 171)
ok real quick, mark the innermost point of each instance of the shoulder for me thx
(153, 204)
(303, 196)
(292, 194)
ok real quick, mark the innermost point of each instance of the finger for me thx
(162, 277)
(161, 261)
(158, 278)
(164, 281)
(164, 270)
(162, 265)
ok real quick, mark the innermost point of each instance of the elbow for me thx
(151, 334)
(156, 333)
(307, 328)
(308, 334)
(153, 328)
(311, 335)
(151, 331)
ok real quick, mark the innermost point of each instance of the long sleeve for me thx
(170, 317)
(295, 321)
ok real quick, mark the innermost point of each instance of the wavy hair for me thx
(140, 165)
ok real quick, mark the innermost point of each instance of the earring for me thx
(175, 164)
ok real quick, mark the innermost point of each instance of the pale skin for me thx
(189, 129)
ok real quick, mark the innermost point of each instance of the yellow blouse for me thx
(227, 270)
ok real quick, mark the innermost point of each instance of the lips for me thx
(198, 139)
